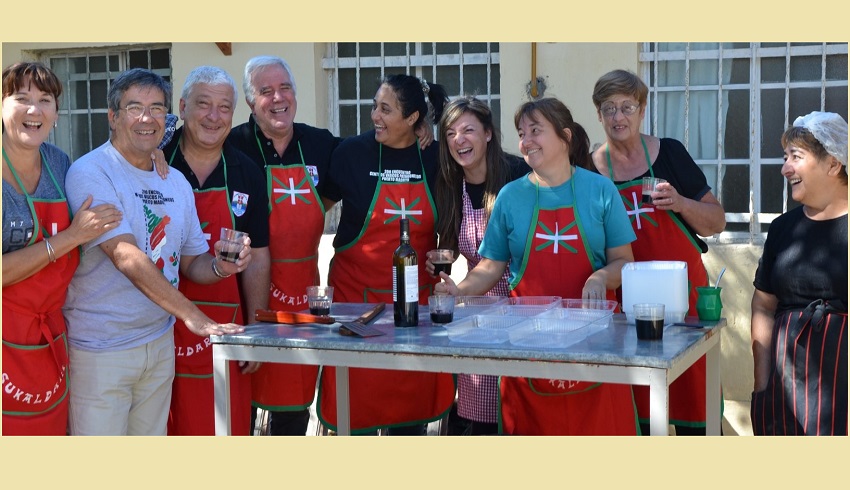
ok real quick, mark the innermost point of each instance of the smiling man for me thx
(122, 300)
(294, 160)
(229, 192)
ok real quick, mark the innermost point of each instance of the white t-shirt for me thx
(104, 310)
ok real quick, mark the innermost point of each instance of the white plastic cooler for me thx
(656, 281)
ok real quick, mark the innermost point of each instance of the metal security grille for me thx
(729, 103)
(86, 75)
(355, 69)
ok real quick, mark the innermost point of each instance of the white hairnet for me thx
(829, 129)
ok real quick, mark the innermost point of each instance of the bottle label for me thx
(411, 282)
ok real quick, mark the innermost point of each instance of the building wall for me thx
(568, 71)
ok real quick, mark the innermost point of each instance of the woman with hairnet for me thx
(799, 307)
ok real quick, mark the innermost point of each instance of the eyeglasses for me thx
(608, 110)
(138, 110)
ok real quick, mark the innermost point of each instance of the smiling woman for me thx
(473, 169)
(380, 175)
(40, 253)
(799, 306)
(530, 214)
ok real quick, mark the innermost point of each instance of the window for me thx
(729, 103)
(86, 76)
(355, 70)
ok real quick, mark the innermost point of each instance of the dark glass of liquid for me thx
(320, 311)
(320, 306)
(229, 256)
(442, 267)
(441, 317)
(649, 329)
(647, 199)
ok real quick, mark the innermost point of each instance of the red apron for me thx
(192, 401)
(296, 223)
(35, 350)
(360, 273)
(557, 262)
(662, 236)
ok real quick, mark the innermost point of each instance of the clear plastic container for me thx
(593, 304)
(525, 306)
(482, 329)
(549, 301)
(466, 306)
(560, 328)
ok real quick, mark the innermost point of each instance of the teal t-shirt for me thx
(600, 209)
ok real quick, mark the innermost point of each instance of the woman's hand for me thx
(666, 198)
(594, 288)
(89, 223)
(706, 216)
(429, 267)
(448, 286)
(425, 133)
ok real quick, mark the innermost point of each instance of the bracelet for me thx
(51, 254)
(218, 272)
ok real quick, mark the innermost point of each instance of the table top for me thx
(616, 344)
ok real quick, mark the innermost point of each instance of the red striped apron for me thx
(806, 392)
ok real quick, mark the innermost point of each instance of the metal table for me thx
(612, 355)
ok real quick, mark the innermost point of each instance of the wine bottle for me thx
(405, 281)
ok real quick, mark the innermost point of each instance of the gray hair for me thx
(210, 75)
(257, 63)
(136, 77)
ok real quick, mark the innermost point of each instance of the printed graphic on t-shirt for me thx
(397, 176)
(157, 238)
(20, 234)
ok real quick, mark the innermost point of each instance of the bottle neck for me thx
(405, 231)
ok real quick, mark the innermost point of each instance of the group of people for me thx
(106, 323)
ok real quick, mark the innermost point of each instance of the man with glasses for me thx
(123, 300)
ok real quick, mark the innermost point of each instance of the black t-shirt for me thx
(316, 144)
(476, 191)
(804, 260)
(675, 165)
(242, 176)
(353, 177)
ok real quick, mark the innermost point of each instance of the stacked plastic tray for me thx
(535, 321)
(466, 306)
